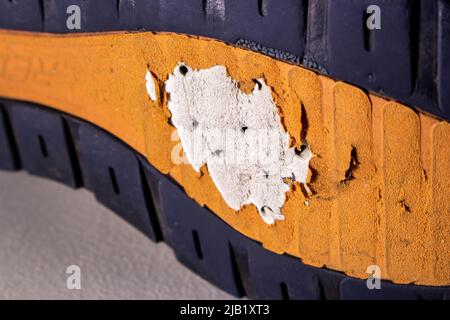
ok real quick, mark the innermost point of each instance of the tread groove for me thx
(10, 137)
(320, 289)
(197, 244)
(368, 34)
(149, 203)
(415, 41)
(118, 8)
(42, 11)
(114, 184)
(73, 155)
(236, 272)
(262, 7)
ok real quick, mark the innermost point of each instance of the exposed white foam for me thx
(238, 136)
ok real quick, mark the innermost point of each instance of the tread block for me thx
(265, 21)
(43, 143)
(154, 180)
(230, 20)
(21, 15)
(8, 155)
(379, 60)
(198, 240)
(112, 172)
(171, 15)
(352, 288)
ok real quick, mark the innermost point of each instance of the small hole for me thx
(113, 178)
(183, 70)
(284, 291)
(198, 246)
(43, 146)
(244, 129)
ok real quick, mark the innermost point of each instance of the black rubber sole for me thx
(408, 59)
(54, 145)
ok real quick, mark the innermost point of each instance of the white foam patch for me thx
(238, 136)
(150, 85)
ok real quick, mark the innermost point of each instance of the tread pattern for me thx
(8, 156)
(347, 46)
(401, 61)
(41, 141)
(159, 208)
(113, 174)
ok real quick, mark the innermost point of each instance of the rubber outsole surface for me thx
(408, 59)
(54, 145)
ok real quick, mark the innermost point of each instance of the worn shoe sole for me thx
(71, 151)
(379, 189)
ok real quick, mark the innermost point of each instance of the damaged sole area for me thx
(377, 186)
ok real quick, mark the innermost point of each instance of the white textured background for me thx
(45, 227)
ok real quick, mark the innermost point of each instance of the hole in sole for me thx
(151, 209)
